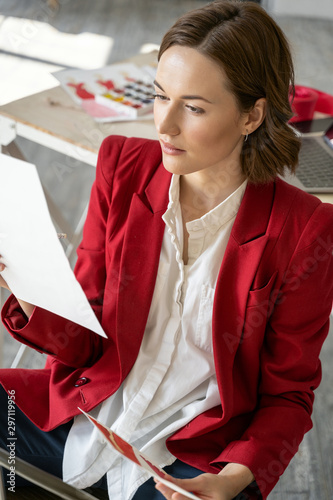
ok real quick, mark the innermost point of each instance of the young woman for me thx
(211, 276)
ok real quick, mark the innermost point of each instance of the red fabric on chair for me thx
(308, 100)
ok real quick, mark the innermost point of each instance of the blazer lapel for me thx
(139, 264)
(246, 245)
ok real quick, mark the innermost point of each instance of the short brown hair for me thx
(255, 56)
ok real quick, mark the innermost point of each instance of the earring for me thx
(246, 137)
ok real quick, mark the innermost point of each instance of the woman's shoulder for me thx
(115, 146)
(300, 201)
(127, 162)
(306, 216)
(120, 157)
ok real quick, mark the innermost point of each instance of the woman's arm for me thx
(26, 307)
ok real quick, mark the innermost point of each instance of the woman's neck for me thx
(199, 194)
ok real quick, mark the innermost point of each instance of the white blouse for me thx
(173, 379)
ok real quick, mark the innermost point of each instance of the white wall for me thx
(308, 8)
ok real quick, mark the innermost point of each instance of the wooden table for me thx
(52, 119)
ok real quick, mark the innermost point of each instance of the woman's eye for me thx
(194, 109)
(159, 97)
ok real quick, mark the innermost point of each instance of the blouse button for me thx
(81, 381)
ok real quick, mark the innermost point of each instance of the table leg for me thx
(20, 355)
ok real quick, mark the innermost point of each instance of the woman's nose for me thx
(167, 121)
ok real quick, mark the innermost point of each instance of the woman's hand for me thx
(26, 306)
(3, 283)
(226, 485)
(205, 486)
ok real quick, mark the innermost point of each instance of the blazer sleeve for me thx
(290, 365)
(48, 332)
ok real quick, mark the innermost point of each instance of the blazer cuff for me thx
(12, 315)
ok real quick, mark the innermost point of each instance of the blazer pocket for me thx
(261, 296)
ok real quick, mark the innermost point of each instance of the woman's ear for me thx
(256, 116)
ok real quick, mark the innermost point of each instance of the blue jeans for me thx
(46, 449)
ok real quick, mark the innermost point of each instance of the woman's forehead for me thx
(188, 67)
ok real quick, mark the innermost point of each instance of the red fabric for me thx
(271, 308)
(308, 100)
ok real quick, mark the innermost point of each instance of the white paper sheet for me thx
(37, 269)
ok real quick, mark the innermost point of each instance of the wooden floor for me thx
(131, 24)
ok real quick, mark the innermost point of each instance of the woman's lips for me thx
(170, 149)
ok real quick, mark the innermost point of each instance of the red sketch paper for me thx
(81, 91)
(133, 454)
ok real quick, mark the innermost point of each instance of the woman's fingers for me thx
(204, 486)
(170, 493)
(163, 488)
(3, 283)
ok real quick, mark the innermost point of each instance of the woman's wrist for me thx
(235, 477)
(27, 308)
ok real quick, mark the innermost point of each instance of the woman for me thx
(211, 276)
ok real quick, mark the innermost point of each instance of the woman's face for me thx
(197, 119)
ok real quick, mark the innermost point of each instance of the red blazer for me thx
(270, 317)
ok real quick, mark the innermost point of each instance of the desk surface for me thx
(56, 114)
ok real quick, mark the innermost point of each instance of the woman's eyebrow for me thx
(158, 85)
(185, 96)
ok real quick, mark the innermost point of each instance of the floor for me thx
(119, 29)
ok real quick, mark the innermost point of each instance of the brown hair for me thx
(255, 56)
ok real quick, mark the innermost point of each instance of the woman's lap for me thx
(45, 450)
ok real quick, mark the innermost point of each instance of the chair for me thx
(49, 483)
